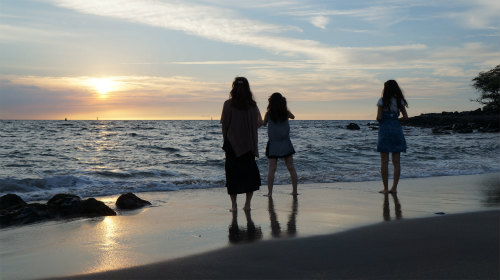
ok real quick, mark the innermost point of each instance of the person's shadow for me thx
(386, 211)
(291, 229)
(239, 234)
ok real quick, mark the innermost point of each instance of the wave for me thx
(135, 173)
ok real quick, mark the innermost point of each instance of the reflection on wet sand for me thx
(292, 219)
(386, 211)
(239, 234)
(110, 249)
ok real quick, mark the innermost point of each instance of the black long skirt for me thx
(242, 173)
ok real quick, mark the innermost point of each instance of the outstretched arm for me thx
(259, 119)
(290, 115)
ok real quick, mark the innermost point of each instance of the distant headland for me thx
(460, 122)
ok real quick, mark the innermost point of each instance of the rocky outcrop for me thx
(65, 205)
(11, 200)
(92, 207)
(457, 122)
(25, 214)
(353, 126)
(14, 211)
(130, 201)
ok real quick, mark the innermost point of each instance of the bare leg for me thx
(247, 201)
(293, 173)
(273, 162)
(234, 206)
(397, 171)
(384, 170)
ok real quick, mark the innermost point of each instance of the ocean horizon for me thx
(108, 157)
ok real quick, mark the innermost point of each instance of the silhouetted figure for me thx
(240, 120)
(390, 134)
(279, 144)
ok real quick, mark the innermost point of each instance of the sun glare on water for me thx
(103, 86)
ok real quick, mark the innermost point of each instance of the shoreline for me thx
(193, 222)
(458, 246)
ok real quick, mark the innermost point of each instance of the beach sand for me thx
(338, 230)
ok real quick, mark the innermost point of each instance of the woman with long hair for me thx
(390, 134)
(240, 120)
(279, 144)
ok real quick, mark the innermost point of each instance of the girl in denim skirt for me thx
(390, 134)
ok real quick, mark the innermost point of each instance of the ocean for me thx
(99, 158)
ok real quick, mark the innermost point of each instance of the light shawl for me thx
(240, 128)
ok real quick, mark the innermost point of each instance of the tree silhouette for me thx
(488, 84)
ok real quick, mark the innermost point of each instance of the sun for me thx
(103, 85)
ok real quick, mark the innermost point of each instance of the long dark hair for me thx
(392, 89)
(277, 109)
(241, 95)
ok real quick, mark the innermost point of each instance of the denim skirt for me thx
(390, 134)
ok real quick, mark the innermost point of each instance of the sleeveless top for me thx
(279, 144)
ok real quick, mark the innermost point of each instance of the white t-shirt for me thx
(394, 107)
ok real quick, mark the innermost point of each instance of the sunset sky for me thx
(160, 59)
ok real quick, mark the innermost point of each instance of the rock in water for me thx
(25, 214)
(353, 126)
(130, 201)
(95, 208)
(66, 205)
(11, 200)
(14, 211)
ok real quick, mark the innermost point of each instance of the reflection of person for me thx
(239, 234)
(275, 225)
(292, 219)
(279, 144)
(386, 211)
(240, 120)
(291, 229)
(390, 134)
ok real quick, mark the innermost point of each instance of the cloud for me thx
(320, 21)
(11, 33)
(480, 14)
(132, 97)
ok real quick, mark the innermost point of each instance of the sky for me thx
(160, 59)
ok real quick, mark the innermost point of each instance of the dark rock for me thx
(95, 208)
(130, 201)
(11, 200)
(26, 214)
(59, 206)
(66, 205)
(439, 130)
(353, 126)
(462, 128)
(492, 127)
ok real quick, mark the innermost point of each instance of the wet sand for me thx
(461, 246)
(192, 222)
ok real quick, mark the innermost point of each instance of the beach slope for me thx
(461, 246)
